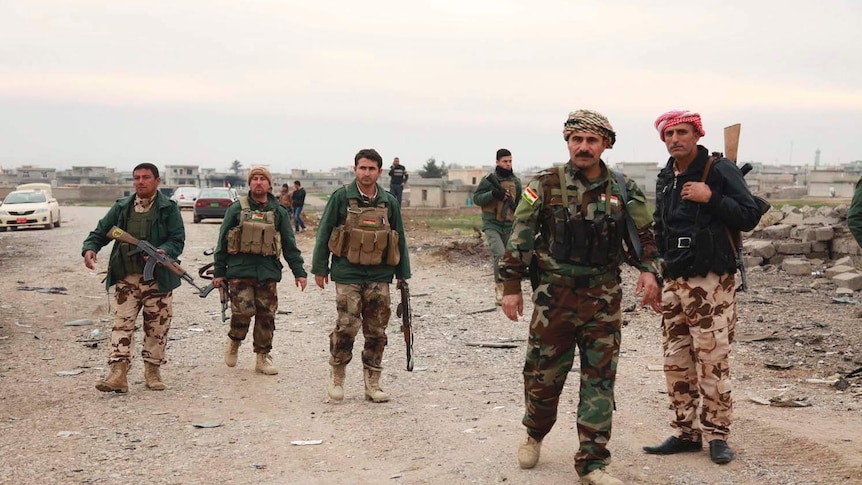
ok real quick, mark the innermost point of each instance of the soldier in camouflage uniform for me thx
(148, 215)
(695, 215)
(574, 228)
(255, 232)
(362, 230)
(497, 194)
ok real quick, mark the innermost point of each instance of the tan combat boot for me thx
(336, 382)
(264, 365)
(528, 453)
(116, 380)
(498, 294)
(153, 378)
(231, 351)
(599, 477)
(372, 386)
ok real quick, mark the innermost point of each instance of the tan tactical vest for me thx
(498, 206)
(255, 234)
(365, 237)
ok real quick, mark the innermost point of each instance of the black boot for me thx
(674, 445)
(719, 452)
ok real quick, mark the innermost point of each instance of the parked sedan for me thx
(213, 203)
(27, 208)
(185, 197)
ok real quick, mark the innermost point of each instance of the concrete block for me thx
(824, 233)
(759, 247)
(845, 245)
(845, 261)
(851, 281)
(796, 267)
(776, 260)
(752, 261)
(794, 247)
(793, 219)
(819, 246)
(777, 232)
(837, 270)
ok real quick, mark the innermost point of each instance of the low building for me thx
(87, 175)
(180, 175)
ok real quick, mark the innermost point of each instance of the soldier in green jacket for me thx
(362, 233)
(497, 195)
(150, 216)
(255, 232)
(577, 223)
(854, 216)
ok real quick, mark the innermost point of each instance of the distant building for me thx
(179, 175)
(87, 176)
(645, 174)
(33, 173)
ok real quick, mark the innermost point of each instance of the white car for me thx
(28, 208)
(185, 197)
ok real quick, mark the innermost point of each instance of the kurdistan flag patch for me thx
(530, 196)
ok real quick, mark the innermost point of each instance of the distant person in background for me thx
(151, 216)
(497, 195)
(298, 200)
(284, 197)
(854, 216)
(397, 179)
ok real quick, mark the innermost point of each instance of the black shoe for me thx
(674, 445)
(719, 452)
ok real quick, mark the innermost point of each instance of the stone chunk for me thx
(824, 233)
(776, 232)
(794, 248)
(760, 248)
(837, 270)
(851, 281)
(796, 266)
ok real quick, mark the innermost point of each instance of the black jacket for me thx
(298, 197)
(693, 237)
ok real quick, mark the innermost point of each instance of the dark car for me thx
(213, 203)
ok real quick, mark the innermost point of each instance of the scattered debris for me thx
(845, 300)
(484, 310)
(306, 442)
(283, 312)
(22, 324)
(66, 434)
(72, 372)
(397, 475)
(831, 382)
(655, 367)
(841, 384)
(259, 466)
(788, 402)
(777, 366)
(195, 329)
(4, 337)
(57, 290)
(855, 373)
(493, 345)
(207, 424)
(773, 335)
(78, 323)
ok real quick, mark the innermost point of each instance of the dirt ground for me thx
(454, 419)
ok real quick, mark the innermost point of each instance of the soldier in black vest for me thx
(397, 179)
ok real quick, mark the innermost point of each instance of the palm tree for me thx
(236, 166)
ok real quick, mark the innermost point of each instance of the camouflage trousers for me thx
(564, 318)
(131, 295)
(367, 306)
(497, 244)
(252, 298)
(698, 320)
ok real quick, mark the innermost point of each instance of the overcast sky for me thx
(306, 84)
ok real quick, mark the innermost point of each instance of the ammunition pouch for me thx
(255, 234)
(596, 243)
(366, 237)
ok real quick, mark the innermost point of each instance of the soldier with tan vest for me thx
(497, 195)
(362, 234)
(255, 232)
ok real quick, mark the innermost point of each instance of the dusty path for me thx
(456, 419)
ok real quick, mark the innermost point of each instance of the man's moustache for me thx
(583, 154)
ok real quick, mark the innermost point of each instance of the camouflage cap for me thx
(591, 122)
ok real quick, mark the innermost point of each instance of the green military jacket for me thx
(534, 216)
(342, 270)
(257, 266)
(167, 232)
(854, 215)
(483, 196)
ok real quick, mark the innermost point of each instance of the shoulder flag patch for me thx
(530, 196)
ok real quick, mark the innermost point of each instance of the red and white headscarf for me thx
(675, 117)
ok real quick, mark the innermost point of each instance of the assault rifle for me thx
(405, 312)
(155, 257)
(508, 203)
(223, 296)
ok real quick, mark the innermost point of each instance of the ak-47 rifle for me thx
(508, 202)
(155, 257)
(223, 296)
(405, 312)
(731, 149)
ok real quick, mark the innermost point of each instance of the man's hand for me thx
(696, 192)
(513, 306)
(648, 285)
(301, 282)
(398, 284)
(499, 194)
(90, 259)
(218, 281)
(321, 280)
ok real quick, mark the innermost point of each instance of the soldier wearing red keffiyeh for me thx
(699, 200)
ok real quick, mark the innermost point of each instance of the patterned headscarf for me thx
(590, 122)
(675, 117)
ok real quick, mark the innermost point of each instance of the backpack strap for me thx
(735, 242)
(629, 222)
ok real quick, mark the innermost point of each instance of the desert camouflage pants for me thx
(497, 244)
(564, 318)
(699, 316)
(131, 295)
(367, 306)
(251, 298)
